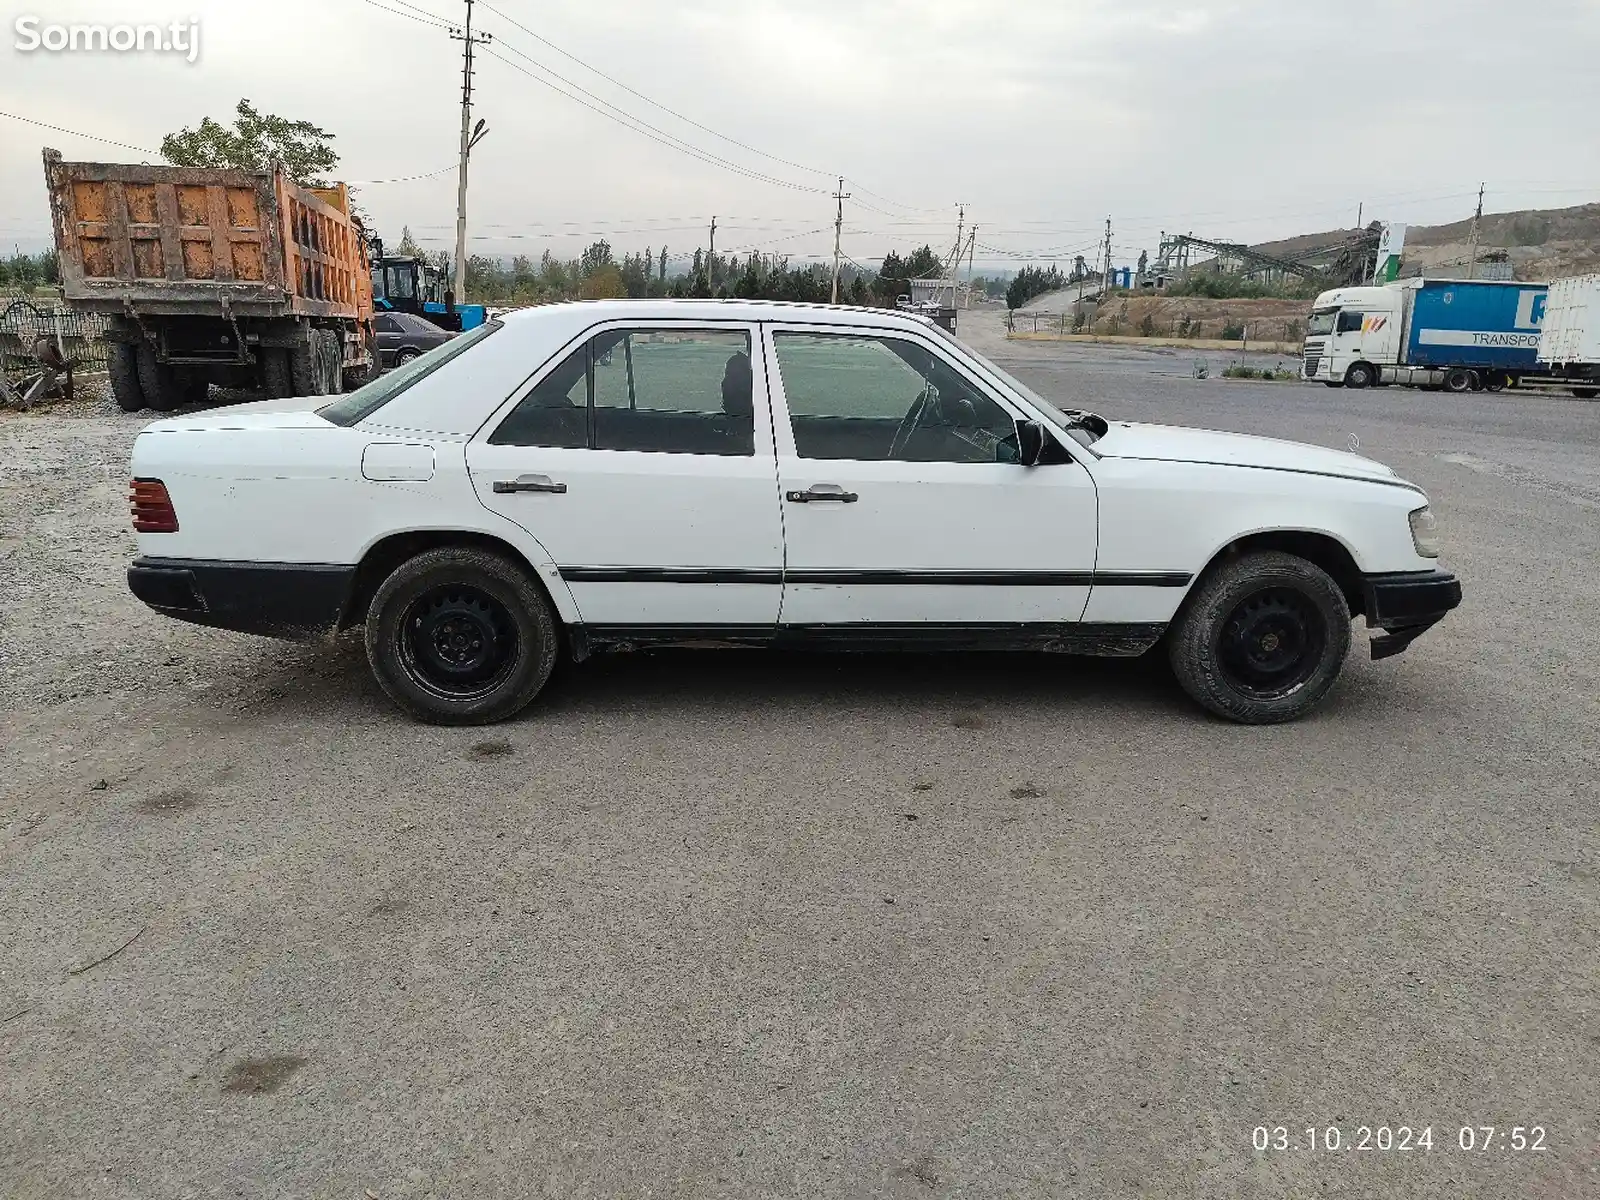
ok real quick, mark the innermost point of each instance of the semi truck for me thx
(1569, 339)
(214, 276)
(1457, 334)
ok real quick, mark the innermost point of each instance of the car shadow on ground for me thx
(733, 681)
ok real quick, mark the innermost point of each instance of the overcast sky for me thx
(1236, 119)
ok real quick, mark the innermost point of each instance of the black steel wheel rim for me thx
(458, 642)
(1272, 642)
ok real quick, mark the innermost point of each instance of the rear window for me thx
(360, 404)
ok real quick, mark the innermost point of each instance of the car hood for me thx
(1173, 443)
(295, 412)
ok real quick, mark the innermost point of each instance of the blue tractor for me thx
(403, 284)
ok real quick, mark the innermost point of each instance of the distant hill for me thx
(1542, 243)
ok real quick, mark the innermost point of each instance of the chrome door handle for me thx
(822, 491)
(529, 483)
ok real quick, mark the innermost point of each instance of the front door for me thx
(643, 464)
(905, 509)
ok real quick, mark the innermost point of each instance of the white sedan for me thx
(579, 477)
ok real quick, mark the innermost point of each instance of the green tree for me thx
(663, 275)
(255, 141)
(408, 247)
(597, 255)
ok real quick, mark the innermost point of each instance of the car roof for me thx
(671, 309)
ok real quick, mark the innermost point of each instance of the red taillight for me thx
(152, 507)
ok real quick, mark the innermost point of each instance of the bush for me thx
(1241, 373)
(1079, 319)
(1147, 327)
(1233, 331)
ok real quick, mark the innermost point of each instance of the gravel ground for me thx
(730, 925)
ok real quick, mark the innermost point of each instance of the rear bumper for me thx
(1406, 605)
(287, 600)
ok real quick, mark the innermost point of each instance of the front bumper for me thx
(1407, 604)
(287, 600)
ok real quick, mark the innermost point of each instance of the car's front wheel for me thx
(461, 636)
(1262, 639)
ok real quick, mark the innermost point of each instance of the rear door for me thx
(905, 509)
(642, 461)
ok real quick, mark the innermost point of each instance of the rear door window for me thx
(666, 391)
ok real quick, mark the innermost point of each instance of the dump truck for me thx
(214, 276)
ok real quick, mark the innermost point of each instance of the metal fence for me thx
(24, 322)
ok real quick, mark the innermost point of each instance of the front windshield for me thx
(1083, 436)
(1321, 322)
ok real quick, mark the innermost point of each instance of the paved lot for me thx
(756, 926)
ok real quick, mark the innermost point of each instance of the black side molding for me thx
(1055, 637)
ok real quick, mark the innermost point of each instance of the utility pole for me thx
(1105, 278)
(711, 256)
(1472, 264)
(839, 197)
(469, 137)
(972, 250)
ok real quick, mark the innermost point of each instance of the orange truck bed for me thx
(138, 239)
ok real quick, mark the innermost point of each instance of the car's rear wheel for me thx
(461, 636)
(405, 356)
(1262, 639)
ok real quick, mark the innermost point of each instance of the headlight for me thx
(1425, 532)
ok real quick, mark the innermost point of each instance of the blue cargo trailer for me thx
(1475, 323)
(1458, 334)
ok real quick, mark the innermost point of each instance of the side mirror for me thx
(1031, 441)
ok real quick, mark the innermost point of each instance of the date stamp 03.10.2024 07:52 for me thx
(1401, 1139)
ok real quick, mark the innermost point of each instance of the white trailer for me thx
(1569, 339)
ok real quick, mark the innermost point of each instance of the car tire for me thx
(1262, 638)
(158, 381)
(1360, 375)
(402, 357)
(122, 366)
(461, 636)
(1459, 379)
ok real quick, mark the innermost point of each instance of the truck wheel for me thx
(158, 381)
(1459, 379)
(1586, 393)
(1262, 638)
(1494, 381)
(355, 377)
(460, 636)
(332, 363)
(277, 381)
(305, 366)
(122, 366)
(1360, 375)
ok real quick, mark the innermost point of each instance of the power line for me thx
(653, 103)
(78, 133)
(413, 14)
(649, 131)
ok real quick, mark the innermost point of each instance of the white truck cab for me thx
(1354, 331)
